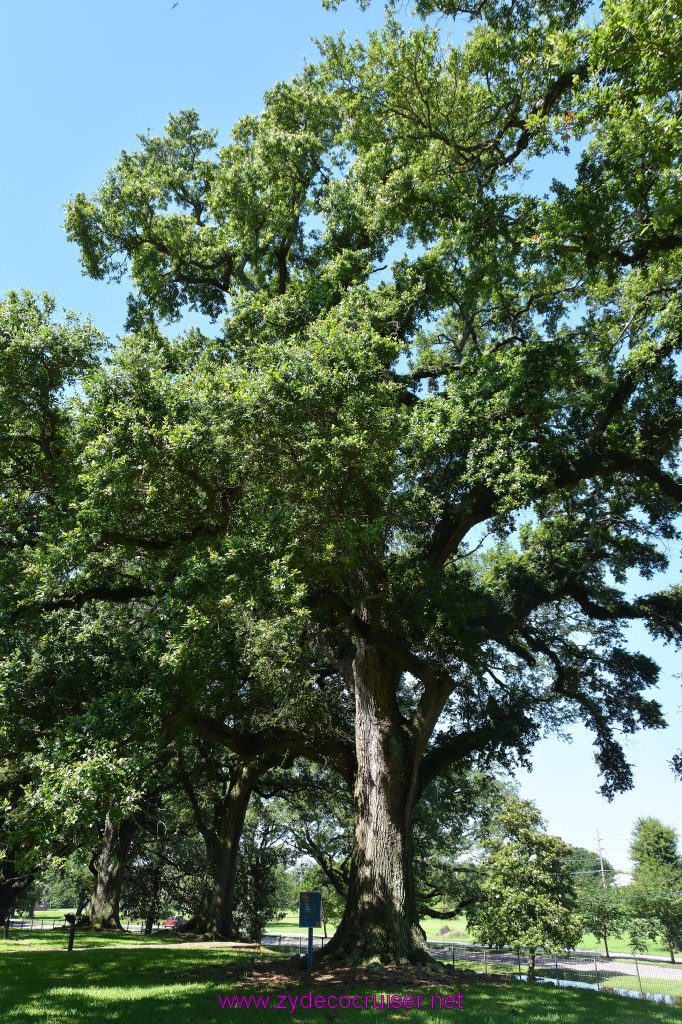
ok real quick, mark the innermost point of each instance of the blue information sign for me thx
(310, 910)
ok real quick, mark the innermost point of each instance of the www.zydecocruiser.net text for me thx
(374, 1001)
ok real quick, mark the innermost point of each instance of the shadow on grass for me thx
(147, 986)
(123, 985)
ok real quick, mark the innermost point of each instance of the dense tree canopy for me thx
(437, 428)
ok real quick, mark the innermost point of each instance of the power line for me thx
(597, 871)
(640, 895)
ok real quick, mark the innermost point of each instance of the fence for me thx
(51, 923)
(290, 941)
(625, 975)
(37, 923)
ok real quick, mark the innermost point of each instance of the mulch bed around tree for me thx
(291, 973)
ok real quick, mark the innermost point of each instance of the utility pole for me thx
(601, 861)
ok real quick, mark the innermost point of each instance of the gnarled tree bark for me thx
(108, 870)
(11, 888)
(221, 838)
(380, 921)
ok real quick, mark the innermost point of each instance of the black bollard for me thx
(7, 927)
(72, 930)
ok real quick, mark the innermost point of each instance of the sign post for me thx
(310, 916)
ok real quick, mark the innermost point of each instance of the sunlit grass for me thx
(182, 984)
(57, 938)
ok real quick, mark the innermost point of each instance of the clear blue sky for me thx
(79, 80)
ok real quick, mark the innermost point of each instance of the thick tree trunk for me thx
(151, 914)
(380, 920)
(222, 847)
(12, 884)
(8, 895)
(108, 871)
(531, 966)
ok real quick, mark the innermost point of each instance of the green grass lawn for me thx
(52, 915)
(21, 939)
(187, 984)
(431, 925)
(458, 933)
(619, 946)
(457, 929)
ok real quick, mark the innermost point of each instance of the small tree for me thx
(263, 891)
(69, 884)
(600, 909)
(656, 906)
(27, 898)
(600, 904)
(528, 895)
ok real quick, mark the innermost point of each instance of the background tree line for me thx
(480, 852)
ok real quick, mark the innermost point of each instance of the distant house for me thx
(42, 904)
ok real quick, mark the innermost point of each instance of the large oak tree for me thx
(438, 427)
